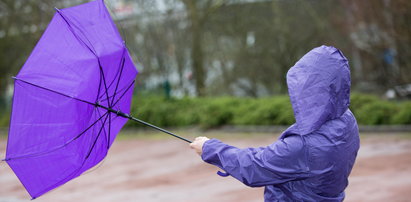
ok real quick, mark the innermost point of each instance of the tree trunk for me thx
(197, 55)
(197, 58)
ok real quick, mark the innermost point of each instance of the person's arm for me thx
(283, 161)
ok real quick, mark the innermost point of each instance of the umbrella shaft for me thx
(158, 128)
(122, 114)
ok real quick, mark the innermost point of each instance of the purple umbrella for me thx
(71, 98)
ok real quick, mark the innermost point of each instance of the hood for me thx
(319, 88)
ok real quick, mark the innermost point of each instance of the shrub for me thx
(376, 113)
(4, 118)
(265, 111)
(404, 114)
(357, 101)
(216, 111)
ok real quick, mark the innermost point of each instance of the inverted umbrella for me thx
(71, 98)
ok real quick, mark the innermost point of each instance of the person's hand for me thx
(198, 143)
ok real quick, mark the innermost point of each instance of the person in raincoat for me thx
(312, 159)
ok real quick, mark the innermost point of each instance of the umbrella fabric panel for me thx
(78, 46)
(42, 119)
(42, 173)
(94, 26)
(61, 63)
(48, 149)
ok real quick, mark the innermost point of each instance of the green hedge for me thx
(4, 118)
(211, 112)
(216, 111)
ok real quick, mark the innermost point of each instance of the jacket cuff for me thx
(209, 148)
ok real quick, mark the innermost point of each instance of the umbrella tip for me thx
(55, 8)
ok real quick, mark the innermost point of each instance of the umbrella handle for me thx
(122, 114)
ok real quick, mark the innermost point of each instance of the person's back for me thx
(331, 152)
(334, 156)
(312, 159)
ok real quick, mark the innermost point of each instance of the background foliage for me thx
(226, 60)
(218, 111)
(212, 112)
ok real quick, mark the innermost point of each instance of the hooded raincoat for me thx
(312, 159)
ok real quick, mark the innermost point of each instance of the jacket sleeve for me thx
(282, 161)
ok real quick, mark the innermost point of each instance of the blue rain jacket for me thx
(312, 159)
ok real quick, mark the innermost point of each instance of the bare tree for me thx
(198, 13)
(382, 38)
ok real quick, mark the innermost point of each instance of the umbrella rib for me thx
(98, 135)
(118, 71)
(119, 91)
(90, 47)
(113, 111)
(122, 114)
(109, 126)
(109, 131)
(59, 147)
(99, 89)
(122, 95)
(48, 188)
(118, 80)
(68, 96)
(104, 82)
(48, 89)
(71, 25)
(67, 177)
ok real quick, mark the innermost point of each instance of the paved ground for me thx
(141, 169)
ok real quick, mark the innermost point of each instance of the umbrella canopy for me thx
(63, 117)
